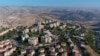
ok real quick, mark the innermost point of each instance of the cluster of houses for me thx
(47, 38)
(74, 48)
(53, 50)
(6, 48)
(54, 24)
(24, 52)
(44, 43)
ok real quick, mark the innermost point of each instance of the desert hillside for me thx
(26, 16)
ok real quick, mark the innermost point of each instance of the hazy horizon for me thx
(53, 3)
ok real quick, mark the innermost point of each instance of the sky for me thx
(52, 3)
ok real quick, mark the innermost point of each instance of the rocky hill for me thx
(17, 16)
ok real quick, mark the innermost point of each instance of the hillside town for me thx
(46, 38)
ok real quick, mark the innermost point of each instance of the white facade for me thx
(48, 39)
(54, 24)
(51, 25)
(58, 23)
(82, 34)
(33, 41)
(35, 29)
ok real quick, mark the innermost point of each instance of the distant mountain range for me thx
(24, 15)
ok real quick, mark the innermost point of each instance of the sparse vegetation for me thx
(89, 38)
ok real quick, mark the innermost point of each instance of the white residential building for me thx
(34, 29)
(46, 39)
(51, 25)
(82, 34)
(41, 50)
(54, 24)
(33, 41)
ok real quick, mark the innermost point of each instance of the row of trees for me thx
(8, 35)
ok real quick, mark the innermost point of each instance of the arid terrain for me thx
(26, 16)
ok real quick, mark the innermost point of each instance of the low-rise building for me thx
(34, 29)
(32, 52)
(42, 54)
(9, 52)
(54, 24)
(64, 53)
(23, 51)
(58, 46)
(57, 23)
(51, 25)
(53, 53)
(61, 50)
(52, 49)
(41, 50)
(46, 39)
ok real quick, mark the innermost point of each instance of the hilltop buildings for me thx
(6, 47)
(45, 38)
